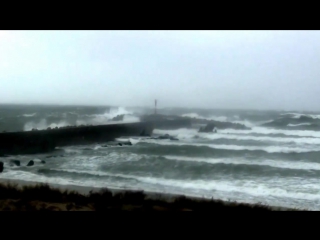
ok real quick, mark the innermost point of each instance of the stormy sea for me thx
(276, 161)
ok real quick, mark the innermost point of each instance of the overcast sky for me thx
(206, 69)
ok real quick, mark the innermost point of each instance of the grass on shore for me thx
(45, 198)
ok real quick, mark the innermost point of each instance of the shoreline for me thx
(24, 195)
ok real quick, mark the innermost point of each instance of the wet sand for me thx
(18, 195)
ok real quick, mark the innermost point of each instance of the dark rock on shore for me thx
(1, 167)
(30, 163)
(43, 162)
(15, 162)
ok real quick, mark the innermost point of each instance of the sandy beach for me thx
(18, 195)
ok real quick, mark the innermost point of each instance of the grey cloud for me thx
(206, 69)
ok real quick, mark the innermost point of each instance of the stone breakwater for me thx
(42, 141)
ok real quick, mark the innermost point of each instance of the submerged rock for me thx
(118, 118)
(36, 160)
(125, 143)
(116, 143)
(208, 128)
(15, 162)
(54, 156)
(1, 167)
(145, 133)
(30, 163)
(165, 136)
(174, 139)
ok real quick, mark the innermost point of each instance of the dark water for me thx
(276, 162)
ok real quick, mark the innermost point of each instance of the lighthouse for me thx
(155, 106)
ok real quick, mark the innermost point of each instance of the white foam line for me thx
(302, 140)
(29, 115)
(300, 124)
(265, 187)
(237, 161)
(266, 131)
(269, 149)
(27, 176)
(298, 115)
(184, 132)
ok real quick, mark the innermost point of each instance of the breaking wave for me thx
(29, 115)
(185, 133)
(276, 161)
(215, 118)
(298, 165)
(43, 124)
(268, 149)
(72, 118)
(299, 124)
(232, 119)
(299, 115)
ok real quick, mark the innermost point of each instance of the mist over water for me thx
(22, 118)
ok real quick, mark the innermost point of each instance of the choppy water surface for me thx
(276, 162)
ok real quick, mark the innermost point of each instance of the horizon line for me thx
(152, 107)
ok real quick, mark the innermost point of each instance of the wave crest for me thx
(76, 119)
